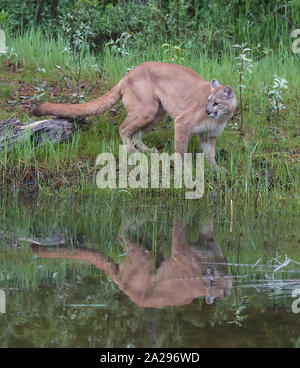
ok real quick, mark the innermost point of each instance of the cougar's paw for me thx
(131, 149)
(223, 170)
(152, 150)
(145, 148)
(220, 170)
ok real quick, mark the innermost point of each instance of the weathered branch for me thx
(44, 131)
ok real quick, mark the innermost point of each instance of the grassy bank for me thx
(260, 153)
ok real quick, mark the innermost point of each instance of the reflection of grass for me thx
(88, 222)
(238, 317)
(264, 160)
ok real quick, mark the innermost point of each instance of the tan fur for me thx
(193, 270)
(153, 89)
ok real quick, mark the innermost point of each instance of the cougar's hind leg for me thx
(131, 130)
(139, 135)
(126, 133)
(142, 109)
(133, 124)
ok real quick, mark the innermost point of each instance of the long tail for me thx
(95, 107)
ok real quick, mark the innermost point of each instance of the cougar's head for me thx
(221, 101)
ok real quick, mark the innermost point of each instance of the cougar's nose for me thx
(208, 111)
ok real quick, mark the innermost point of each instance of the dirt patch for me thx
(17, 94)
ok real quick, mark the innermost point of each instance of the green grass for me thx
(265, 160)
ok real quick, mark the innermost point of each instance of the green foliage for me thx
(118, 47)
(4, 18)
(244, 67)
(208, 25)
(274, 94)
(175, 54)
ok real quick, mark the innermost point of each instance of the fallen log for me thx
(43, 131)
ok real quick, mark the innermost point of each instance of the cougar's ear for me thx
(214, 84)
(229, 92)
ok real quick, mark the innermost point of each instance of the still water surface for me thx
(136, 275)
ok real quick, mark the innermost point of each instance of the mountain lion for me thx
(152, 89)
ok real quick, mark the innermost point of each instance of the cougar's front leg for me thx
(209, 149)
(182, 135)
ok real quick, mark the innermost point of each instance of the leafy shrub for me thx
(208, 25)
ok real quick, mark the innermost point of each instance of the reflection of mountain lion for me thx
(191, 271)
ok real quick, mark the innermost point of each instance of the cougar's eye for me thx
(216, 103)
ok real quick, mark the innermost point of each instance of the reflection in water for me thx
(193, 270)
(154, 261)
